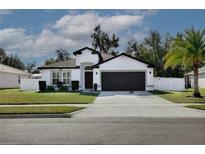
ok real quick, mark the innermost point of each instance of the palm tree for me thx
(188, 50)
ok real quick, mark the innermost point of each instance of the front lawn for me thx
(180, 97)
(15, 96)
(200, 107)
(38, 109)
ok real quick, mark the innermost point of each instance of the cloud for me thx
(71, 32)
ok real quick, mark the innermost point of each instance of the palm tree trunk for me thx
(196, 85)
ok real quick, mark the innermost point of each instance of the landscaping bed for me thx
(181, 97)
(18, 97)
(38, 109)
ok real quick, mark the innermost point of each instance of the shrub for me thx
(63, 88)
(50, 88)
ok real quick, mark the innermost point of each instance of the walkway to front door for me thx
(137, 104)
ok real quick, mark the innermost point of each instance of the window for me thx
(66, 77)
(55, 77)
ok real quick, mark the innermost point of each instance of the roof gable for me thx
(123, 54)
(92, 51)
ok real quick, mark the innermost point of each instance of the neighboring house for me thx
(118, 73)
(189, 78)
(10, 77)
(36, 76)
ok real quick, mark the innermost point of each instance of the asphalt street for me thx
(125, 130)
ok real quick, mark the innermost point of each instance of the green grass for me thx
(200, 107)
(15, 96)
(38, 109)
(181, 97)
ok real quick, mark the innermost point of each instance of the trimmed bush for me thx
(50, 88)
(59, 84)
(63, 88)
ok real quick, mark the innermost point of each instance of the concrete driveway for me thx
(136, 104)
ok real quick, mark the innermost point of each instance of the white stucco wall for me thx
(96, 77)
(10, 80)
(149, 79)
(46, 76)
(86, 56)
(124, 64)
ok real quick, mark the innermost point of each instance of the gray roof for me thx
(8, 69)
(106, 56)
(70, 63)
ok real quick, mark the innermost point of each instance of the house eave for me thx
(77, 67)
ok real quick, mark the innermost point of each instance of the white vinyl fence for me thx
(175, 84)
(29, 84)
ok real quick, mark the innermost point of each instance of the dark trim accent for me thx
(97, 65)
(93, 52)
(80, 51)
(77, 67)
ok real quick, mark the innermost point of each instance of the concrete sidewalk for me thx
(137, 104)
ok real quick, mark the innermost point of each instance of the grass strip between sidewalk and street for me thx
(38, 109)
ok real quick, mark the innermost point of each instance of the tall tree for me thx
(152, 50)
(102, 42)
(2, 54)
(13, 61)
(49, 61)
(62, 55)
(188, 50)
(159, 47)
(31, 68)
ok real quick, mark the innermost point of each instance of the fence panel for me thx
(175, 84)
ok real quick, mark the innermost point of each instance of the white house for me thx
(189, 78)
(110, 73)
(10, 77)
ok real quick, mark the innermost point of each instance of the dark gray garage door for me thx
(123, 81)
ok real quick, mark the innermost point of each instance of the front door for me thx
(88, 80)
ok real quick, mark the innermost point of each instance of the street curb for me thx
(22, 116)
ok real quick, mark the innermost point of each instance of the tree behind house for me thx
(104, 43)
(62, 55)
(13, 61)
(153, 49)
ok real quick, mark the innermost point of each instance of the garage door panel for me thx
(123, 81)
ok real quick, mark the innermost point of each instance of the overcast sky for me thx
(34, 35)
